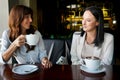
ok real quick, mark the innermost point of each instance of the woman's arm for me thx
(8, 48)
(43, 55)
(108, 49)
(8, 53)
(73, 52)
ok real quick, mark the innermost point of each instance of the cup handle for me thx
(82, 62)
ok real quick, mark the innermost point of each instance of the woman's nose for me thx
(30, 19)
(83, 22)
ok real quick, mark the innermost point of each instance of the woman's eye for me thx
(27, 16)
(88, 20)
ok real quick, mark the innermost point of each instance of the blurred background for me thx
(60, 18)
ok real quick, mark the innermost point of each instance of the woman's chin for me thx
(84, 29)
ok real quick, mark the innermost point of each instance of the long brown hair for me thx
(16, 17)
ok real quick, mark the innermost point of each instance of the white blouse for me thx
(105, 52)
(88, 50)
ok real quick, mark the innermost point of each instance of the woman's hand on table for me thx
(46, 63)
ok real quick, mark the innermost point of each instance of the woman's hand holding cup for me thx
(19, 41)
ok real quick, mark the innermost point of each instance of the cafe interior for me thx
(59, 19)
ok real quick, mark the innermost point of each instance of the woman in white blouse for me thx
(92, 40)
(13, 39)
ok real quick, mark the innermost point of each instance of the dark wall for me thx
(47, 16)
(117, 30)
(49, 12)
(11, 3)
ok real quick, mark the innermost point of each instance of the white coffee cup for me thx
(92, 63)
(32, 39)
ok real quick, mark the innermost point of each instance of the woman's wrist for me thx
(13, 45)
(45, 58)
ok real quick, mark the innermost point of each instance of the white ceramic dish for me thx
(24, 69)
(101, 69)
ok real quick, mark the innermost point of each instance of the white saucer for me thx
(24, 69)
(101, 69)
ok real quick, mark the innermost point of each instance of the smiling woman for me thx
(14, 39)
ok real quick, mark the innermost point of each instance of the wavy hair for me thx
(16, 17)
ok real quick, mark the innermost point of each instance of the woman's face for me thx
(89, 22)
(26, 22)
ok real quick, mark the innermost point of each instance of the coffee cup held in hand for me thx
(32, 39)
(92, 63)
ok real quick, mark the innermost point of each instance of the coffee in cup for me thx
(92, 63)
(32, 39)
